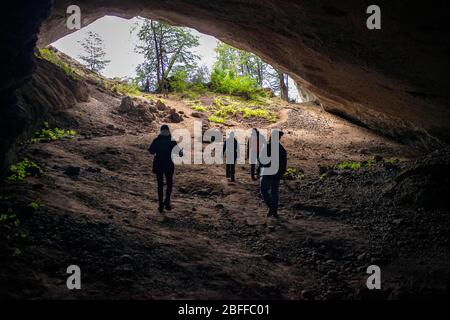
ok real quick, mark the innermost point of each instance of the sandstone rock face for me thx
(48, 92)
(394, 80)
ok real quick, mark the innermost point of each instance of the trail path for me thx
(217, 241)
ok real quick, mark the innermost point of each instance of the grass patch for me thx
(50, 56)
(226, 106)
(258, 113)
(47, 134)
(216, 119)
(349, 165)
(199, 108)
(24, 169)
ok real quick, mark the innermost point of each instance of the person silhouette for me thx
(255, 144)
(162, 147)
(270, 177)
(231, 153)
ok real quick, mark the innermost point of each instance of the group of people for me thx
(260, 154)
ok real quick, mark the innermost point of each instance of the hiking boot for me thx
(161, 208)
(168, 206)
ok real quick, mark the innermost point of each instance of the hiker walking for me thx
(231, 153)
(272, 171)
(255, 144)
(163, 147)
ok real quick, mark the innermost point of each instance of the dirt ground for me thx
(217, 242)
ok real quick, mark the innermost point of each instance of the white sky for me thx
(119, 43)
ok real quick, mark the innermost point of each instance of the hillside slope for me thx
(95, 206)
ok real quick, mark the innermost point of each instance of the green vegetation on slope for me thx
(23, 169)
(47, 134)
(293, 174)
(224, 107)
(49, 55)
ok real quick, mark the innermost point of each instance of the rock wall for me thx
(392, 80)
(43, 98)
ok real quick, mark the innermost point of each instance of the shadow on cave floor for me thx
(217, 241)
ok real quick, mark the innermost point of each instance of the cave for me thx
(392, 82)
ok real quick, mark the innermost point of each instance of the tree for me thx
(166, 49)
(200, 75)
(233, 62)
(94, 53)
(284, 85)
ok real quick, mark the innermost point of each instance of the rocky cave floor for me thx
(217, 242)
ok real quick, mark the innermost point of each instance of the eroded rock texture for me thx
(392, 80)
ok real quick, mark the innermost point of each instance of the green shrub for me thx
(24, 169)
(224, 111)
(225, 81)
(50, 56)
(17, 252)
(348, 165)
(10, 218)
(47, 134)
(178, 81)
(293, 174)
(258, 113)
(216, 119)
(391, 161)
(199, 108)
(371, 162)
(197, 87)
(34, 205)
(126, 89)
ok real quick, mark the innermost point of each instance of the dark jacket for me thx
(282, 156)
(163, 147)
(234, 145)
(257, 142)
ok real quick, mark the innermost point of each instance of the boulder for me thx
(126, 105)
(176, 117)
(198, 115)
(160, 105)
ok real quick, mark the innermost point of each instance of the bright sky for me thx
(119, 43)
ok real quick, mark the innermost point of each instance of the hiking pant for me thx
(230, 170)
(269, 187)
(255, 171)
(168, 173)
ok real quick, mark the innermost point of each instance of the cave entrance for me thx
(119, 44)
(82, 191)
